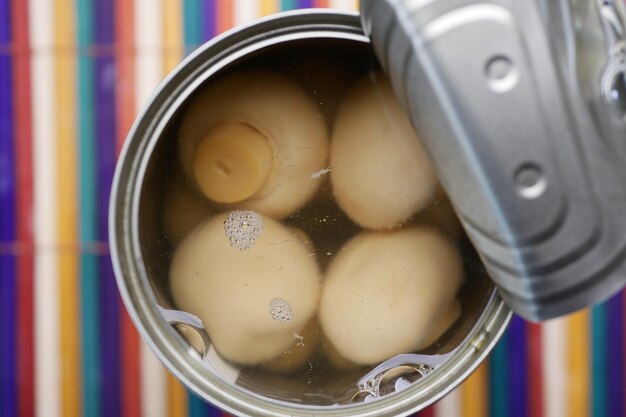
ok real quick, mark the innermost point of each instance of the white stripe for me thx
(153, 384)
(449, 406)
(149, 49)
(46, 303)
(245, 11)
(343, 4)
(554, 346)
(148, 38)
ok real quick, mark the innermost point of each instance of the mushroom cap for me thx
(252, 301)
(384, 293)
(380, 173)
(280, 110)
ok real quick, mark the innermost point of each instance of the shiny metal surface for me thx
(520, 104)
(133, 274)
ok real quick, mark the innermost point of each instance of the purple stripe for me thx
(615, 355)
(518, 365)
(105, 83)
(8, 272)
(303, 4)
(209, 19)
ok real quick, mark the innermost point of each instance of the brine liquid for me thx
(327, 69)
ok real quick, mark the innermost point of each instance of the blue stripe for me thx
(304, 4)
(615, 355)
(90, 305)
(518, 365)
(598, 361)
(498, 379)
(192, 19)
(196, 407)
(105, 84)
(8, 270)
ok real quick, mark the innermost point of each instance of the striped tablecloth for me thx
(73, 74)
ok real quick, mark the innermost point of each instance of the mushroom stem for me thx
(232, 162)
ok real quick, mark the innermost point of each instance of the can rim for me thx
(127, 257)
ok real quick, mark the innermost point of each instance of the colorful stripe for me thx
(554, 349)
(46, 285)
(449, 406)
(535, 379)
(498, 378)
(518, 367)
(24, 184)
(64, 80)
(615, 356)
(88, 203)
(474, 393)
(105, 128)
(125, 110)
(598, 361)
(73, 74)
(578, 357)
(8, 264)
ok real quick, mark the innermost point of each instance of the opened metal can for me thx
(260, 284)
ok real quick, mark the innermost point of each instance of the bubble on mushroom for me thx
(281, 310)
(243, 228)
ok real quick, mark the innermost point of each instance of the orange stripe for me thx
(320, 3)
(578, 358)
(224, 15)
(172, 34)
(177, 396)
(474, 393)
(67, 206)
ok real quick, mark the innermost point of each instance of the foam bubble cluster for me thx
(281, 310)
(243, 228)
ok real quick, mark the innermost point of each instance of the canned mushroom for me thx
(279, 236)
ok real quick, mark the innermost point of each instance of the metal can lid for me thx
(524, 137)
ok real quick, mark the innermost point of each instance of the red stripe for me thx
(427, 412)
(124, 55)
(24, 163)
(224, 15)
(125, 106)
(320, 3)
(535, 381)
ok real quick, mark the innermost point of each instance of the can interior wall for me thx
(295, 43)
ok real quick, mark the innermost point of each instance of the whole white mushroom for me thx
(254, 138)
(250, 280)
(380, 173)
(387, 293)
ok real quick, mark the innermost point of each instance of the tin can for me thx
(141, 268)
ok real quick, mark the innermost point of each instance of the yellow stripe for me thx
(172, 34)
(65, 76)
(578, 358)
(269, 7)
(474, 393)
(177, 397)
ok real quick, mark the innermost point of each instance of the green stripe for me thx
(498, 381)
(88, 212)
(598, 361)
(288, 4)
